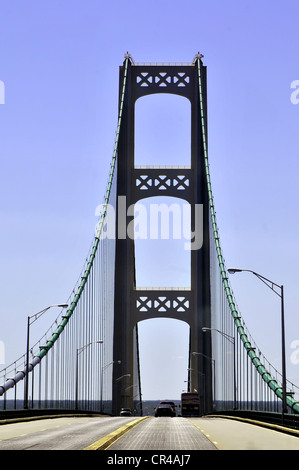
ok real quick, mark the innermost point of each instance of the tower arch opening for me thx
(162, 257)
(164, 353)
(163, 130)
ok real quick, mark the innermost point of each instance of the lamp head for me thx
(234, 270)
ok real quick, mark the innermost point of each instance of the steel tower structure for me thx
(134, 305)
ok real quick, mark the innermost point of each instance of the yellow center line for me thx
(106, 441)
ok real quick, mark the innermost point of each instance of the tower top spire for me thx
(197, 56)
(128, 56)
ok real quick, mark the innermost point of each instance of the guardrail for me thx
(289, 420)
(17, 415)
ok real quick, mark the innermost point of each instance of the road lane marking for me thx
(106, 441)
(264, 424)
(208, 436)
(16, 429)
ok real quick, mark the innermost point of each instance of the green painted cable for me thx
(267, 377)
(44, 349)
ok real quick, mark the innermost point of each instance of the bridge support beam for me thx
(142, 80)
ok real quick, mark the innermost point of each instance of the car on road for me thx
(165, 408)
(125, 412)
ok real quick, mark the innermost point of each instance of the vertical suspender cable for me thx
(263, 372)
(80, 291)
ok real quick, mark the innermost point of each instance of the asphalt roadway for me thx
(204, 434)
(129, 434)
(65, 433)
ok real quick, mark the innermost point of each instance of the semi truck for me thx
(189, 404)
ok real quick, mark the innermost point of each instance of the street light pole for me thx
(232, 340)
(203, 375)
(79, 350)
(29, 322)
(284, 373)
(273, 286)
(194, 353)
(102, 380)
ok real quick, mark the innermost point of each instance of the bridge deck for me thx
(75, 433)
(214, 434)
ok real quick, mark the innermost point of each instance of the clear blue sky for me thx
(59, 63)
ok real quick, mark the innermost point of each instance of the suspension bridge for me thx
(89, 360)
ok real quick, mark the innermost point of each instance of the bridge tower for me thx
(142, 80)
